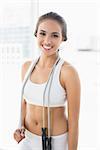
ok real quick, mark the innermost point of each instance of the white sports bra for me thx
(33, 92)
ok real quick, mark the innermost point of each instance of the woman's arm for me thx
(19, 134)
(72, 86)
(23, 104)
(25, 67)
(23, 113)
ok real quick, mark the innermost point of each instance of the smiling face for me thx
(49, 36)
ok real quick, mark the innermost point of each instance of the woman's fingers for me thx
(23, 132)
(19, 134)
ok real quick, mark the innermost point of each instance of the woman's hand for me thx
(19, 134)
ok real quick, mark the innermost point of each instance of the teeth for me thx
(46, 47)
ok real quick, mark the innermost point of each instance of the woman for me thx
(65, 91)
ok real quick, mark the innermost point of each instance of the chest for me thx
(40, 75)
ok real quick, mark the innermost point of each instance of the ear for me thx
(63, 38)
(35, 34)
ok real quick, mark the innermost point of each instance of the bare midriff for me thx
(34, 119)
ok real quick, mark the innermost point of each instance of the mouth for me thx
(47, 48)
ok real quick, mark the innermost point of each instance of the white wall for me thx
(14, 14)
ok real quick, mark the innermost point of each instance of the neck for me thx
(47, 61)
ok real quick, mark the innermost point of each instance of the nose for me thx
(47, 40)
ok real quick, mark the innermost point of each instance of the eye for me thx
(55, 36)
(42, 33)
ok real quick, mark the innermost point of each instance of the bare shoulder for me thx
(25, 67)
(69, 74)
(68, 69)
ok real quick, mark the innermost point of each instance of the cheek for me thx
(39, 40)
(59, 42)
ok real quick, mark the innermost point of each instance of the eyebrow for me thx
(43, 30)
(51, 33)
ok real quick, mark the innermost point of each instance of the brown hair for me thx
(56, 17)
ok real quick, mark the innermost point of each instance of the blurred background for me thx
(18, 44)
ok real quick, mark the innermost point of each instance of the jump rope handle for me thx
(44, 139)
(49, 143)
